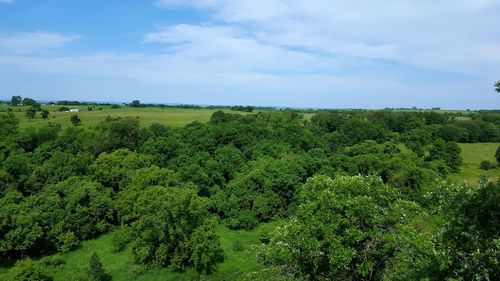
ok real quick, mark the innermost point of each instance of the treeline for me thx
(352, 195)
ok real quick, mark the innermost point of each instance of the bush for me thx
(238, 246)
(96, 270)
(75, 120)
(67, 242)
(244, 220)
(121, 238)
(55, 260)
(487, 165)
(27, 270)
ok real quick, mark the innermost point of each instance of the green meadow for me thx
(168, 116)
(473, 154)
(239, 248)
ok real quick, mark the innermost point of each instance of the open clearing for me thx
(120, 266)
(473, 154)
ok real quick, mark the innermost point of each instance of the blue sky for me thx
(323, 53)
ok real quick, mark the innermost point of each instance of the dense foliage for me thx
(351, 191)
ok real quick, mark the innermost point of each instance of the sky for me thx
(314, 53)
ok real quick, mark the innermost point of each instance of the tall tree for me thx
(350, 228)
(497, 86)
(135, 103)
(173, 230)
(16, 100)
(29, 102)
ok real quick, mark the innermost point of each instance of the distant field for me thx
(169, 116)
(473, 154)
(174, 117)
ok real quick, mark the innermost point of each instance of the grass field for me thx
(168, 116)
(473, 154)
(121, 267)
(173, 117)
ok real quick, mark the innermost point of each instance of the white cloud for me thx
(446, 35)
(33, 42)
(323, 53)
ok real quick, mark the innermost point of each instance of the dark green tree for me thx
(75, 120)
(497, 86)
(45, 114)
(135, 103)
(118, 133)
(96, 270)
(29, 102)
(447, 151)
(16, 101)
(30, 113)
(26, 270)
(172, 230)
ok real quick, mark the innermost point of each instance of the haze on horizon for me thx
(324, 53)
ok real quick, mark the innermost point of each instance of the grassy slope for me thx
(121, 267)
(473, 154)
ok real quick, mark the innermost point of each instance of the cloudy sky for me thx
(314, 53)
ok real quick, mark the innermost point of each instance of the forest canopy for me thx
(348, 194)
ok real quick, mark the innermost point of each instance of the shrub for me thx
(67, 242)
(27, 270)
(238, 246)
(55, 260)
(486, 165)
(121, 238)
(96, 270)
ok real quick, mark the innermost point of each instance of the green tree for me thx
(472, 232)
(29, 102)
(8, 124)
(30, 113)
(447, 151)
(172, 230)
(135, 103)
(96, 270)
(497, 86)
(75, 120)
(45, 114)
(207, 252)
(118, 133)
(351, 228)
(114, 169)
(16, 101)
(26, 270)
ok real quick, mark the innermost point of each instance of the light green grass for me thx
(121, 267)
(174, 117)
(473, 154)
